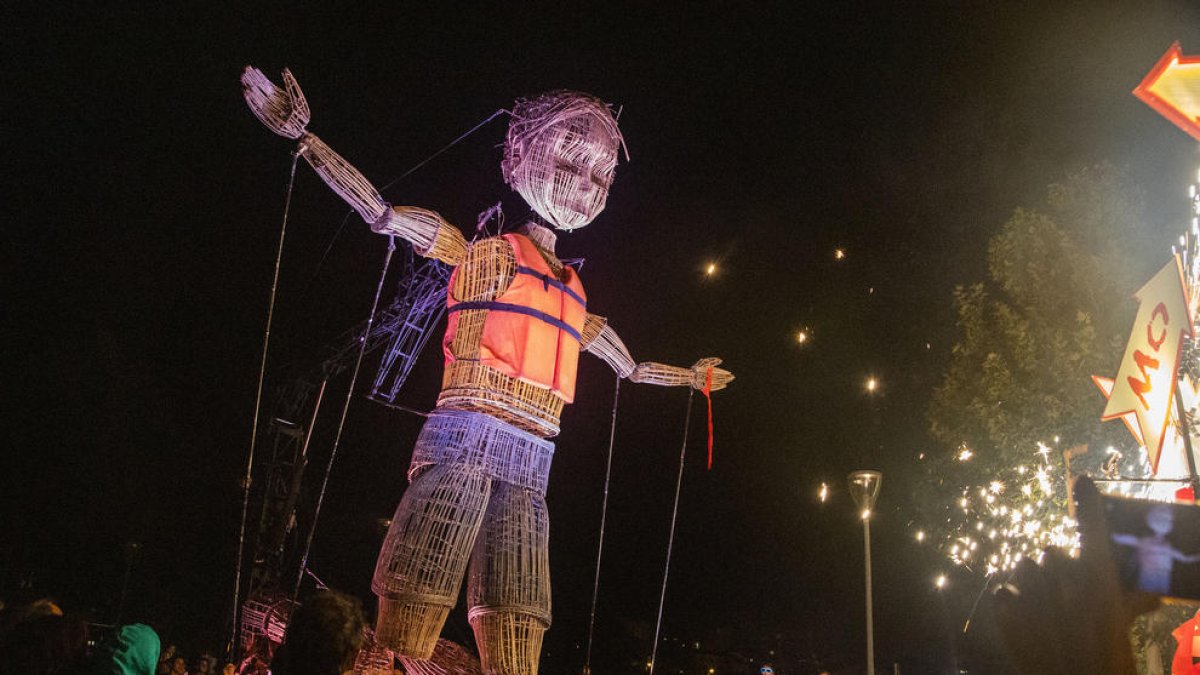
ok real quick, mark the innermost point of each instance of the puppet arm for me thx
(1126, 539)
(285, 111)
(600, 339)
(1186, 558)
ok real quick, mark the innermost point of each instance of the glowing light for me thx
(839, 253)
(940, 582)
(823, 494)
(920, 536)
(1011, 524)
(872, 384)
(711, 269)
(802, 337)
(866, 514)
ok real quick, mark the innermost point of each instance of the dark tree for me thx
(1056, 309)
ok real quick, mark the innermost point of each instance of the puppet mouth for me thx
(566, 218)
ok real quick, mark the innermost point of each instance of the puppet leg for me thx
(508, 589)
(425, 554)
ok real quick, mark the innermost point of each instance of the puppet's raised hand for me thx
(720, 377)
(283, 111)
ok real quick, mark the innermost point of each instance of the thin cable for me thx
(406, 174)
(612, 434)
(449, 145)
(337, 438)
(262, 374)
(975, 605)
(321, 585)
(671, 540)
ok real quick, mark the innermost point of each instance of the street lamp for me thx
(864, 488)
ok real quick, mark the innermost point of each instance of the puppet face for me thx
(563, 168)
(1160, 520)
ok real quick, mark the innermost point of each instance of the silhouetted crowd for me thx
(1065, 615)
(37, 638)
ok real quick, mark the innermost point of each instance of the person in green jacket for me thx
(133, 650)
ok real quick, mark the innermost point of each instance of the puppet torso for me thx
(513, 337)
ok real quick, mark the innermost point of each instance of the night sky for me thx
(144, 206)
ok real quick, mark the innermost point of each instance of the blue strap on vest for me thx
(519, 309)
(551, 281)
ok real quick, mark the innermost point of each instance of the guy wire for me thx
(406, 174)
(337, 438)
(262, 373)
(662, 598)
(612, 434)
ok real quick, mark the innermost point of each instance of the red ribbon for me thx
(708, 395)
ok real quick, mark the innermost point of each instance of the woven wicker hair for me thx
(560, 154)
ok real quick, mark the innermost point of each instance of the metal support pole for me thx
(870, 621)
(1185, 430)
(864, 488)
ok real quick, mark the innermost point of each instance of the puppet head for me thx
(560, 154)
(1160, 519)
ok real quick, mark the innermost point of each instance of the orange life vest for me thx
(532, 331)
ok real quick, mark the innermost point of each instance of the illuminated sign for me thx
(1172, 88)
(1145, 382)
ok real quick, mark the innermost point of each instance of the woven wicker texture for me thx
(373, 658)
(424, 556)
(509, 643)
(508, 590)
(480, 466)
(475, 494)
(510, 566)
(560, 155)
(448, 658)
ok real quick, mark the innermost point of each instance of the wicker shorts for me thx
(476, 496)
(501, 451)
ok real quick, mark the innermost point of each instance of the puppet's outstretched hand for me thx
(696, 377)
(720, 377)
(283, 111)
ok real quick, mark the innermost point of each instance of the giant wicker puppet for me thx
(517, 322)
